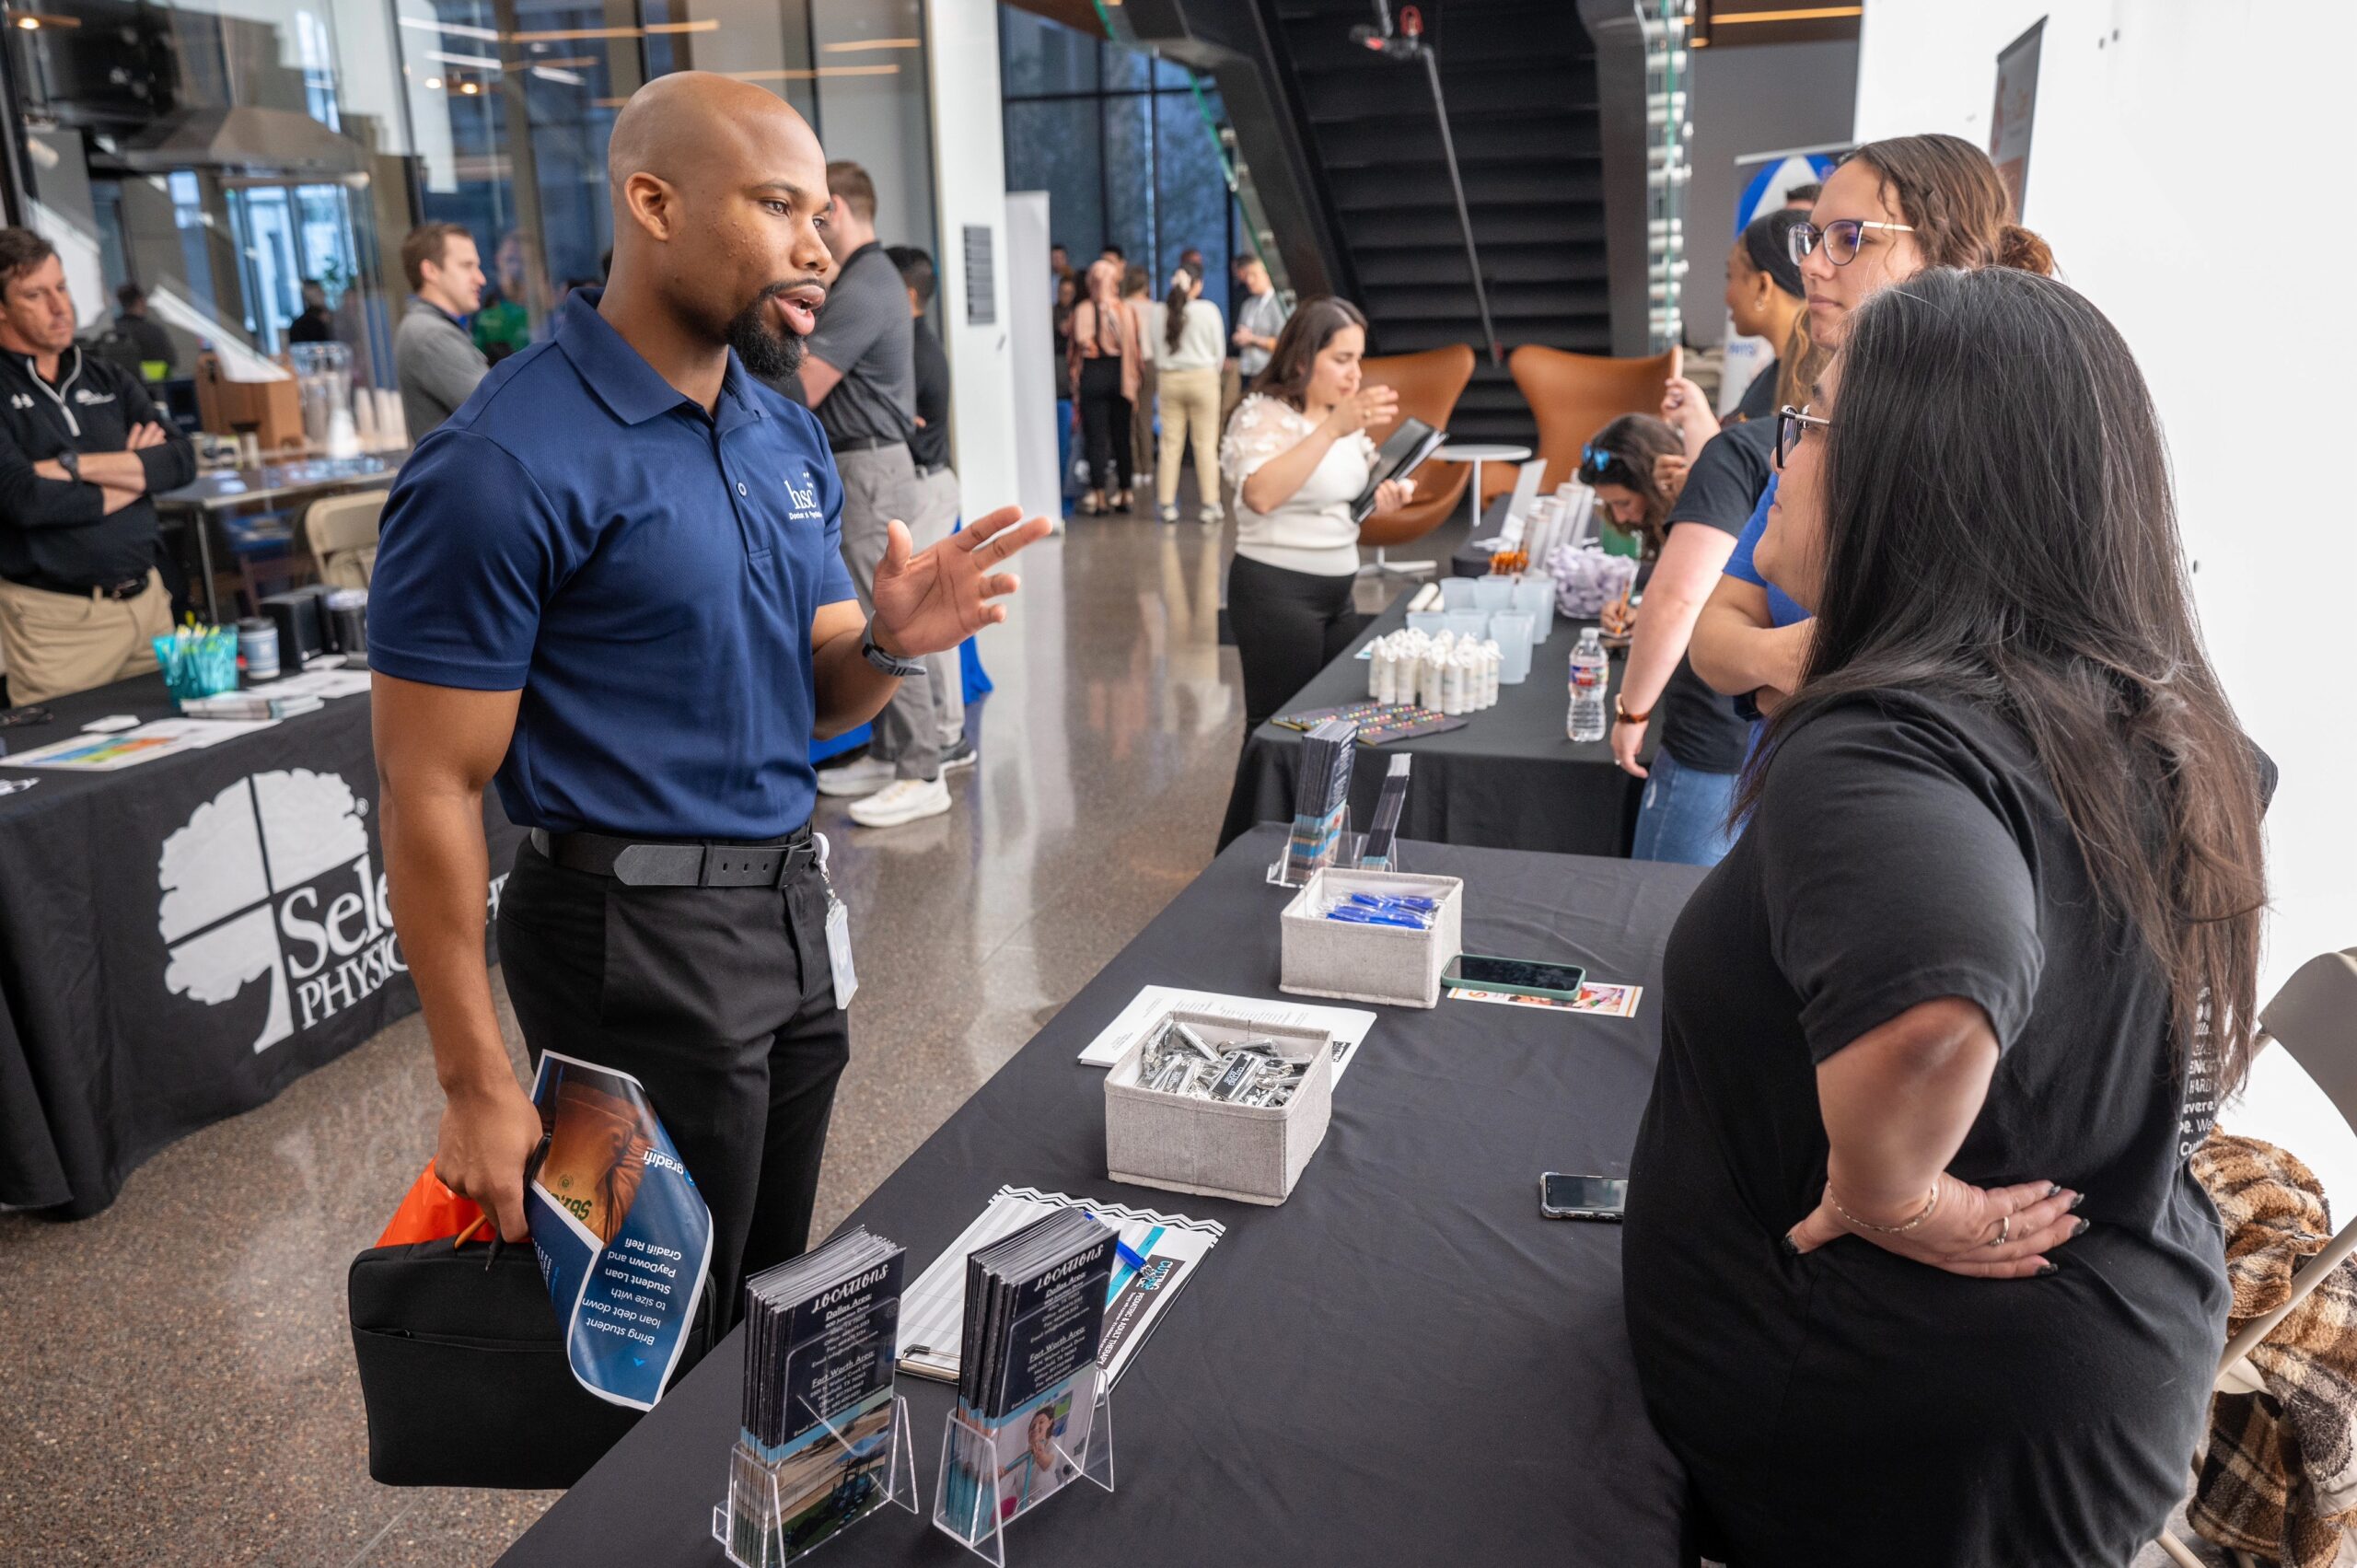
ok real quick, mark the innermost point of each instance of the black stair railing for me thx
(1406, 41)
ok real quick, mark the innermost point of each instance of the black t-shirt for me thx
(1697, 727)
(929, 443)
(1907, 847)
(1759, 397)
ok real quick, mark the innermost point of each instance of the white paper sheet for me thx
(321, 683)
(1347, 1025)
(933, 1310)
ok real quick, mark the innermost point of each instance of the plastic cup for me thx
(1534, 595)
(1468, 623)
(1493, 593)
(1431, 622)
(1513, 630)
(1457, 593)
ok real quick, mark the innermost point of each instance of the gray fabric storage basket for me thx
(1369, 963)
(1250, 1153)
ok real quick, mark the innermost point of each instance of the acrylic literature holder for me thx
(756, 1530)
(978, 1492)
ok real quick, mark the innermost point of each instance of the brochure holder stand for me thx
(976, 1496)
(754, 1528)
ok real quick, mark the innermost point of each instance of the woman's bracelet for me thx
(1930, 1204)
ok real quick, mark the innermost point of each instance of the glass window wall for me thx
(222, 153)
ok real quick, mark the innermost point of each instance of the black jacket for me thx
(55, 533)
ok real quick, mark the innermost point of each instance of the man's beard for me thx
(768, 350)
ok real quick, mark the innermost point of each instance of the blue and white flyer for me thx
(622, 1235)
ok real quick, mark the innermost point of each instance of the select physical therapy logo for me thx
(271, 879)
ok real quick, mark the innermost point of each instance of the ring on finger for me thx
(2004, 1230)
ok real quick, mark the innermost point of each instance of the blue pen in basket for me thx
(198, 661)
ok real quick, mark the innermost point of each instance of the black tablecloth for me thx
(1508, 780)
(181, 939)
(1403, 1364)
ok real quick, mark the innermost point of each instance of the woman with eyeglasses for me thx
(1915, 1268)
(1888, 210)
(1635, 466)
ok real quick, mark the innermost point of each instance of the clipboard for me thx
(1403, 452)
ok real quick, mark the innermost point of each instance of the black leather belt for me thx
(636, 864)
(130, 588)
(866, 443)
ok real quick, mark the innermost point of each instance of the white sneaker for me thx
(863, 777)
(903, 800)
(1211, 516)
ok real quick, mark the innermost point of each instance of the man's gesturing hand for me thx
(930, 602)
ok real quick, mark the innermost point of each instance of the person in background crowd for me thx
(1298, 454)
(1187, 377)
(1105, 380)
(1889, 210)
(1630, 466)
(1192, 257)
(581, 594)
(1682, 816)
(1258, 320)
(1801, 198)
(1067, 410)
(82, 453)
(437, 364)
(146, 334)
(1060, 269)
(317, 323)
(1113, 253)
(1765, 298)
(1913, 1189)
(1143, 319)
(859, 377)
(936, 514)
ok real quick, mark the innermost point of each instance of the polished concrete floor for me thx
(177, 1384)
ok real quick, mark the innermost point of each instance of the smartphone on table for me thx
(1562, 1197)
(1515, 976)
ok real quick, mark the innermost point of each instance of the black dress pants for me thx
(1104, 424)
(719, 1000)
(1289, 625)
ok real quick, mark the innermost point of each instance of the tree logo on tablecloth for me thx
(271, 879)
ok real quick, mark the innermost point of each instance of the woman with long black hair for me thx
(1915, 1270)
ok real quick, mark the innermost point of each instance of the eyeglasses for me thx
(1840, 239)
(1791, 422)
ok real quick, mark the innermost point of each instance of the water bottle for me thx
(1588, 668)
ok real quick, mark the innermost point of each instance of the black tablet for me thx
(1402, 452)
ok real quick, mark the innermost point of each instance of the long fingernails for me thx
(1790, 1247)
(2054, 1190)
(2077, 1199)
(2082, 1227)
(2050, 1269)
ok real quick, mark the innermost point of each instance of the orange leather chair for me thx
(1575, 395)
(1429, 385)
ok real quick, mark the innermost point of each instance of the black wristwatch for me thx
(901, 667)
(70, 461)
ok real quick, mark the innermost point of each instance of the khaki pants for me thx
(1142, 442)
(1189, 410)
(880, 484)
(936, 514)
(56, 645)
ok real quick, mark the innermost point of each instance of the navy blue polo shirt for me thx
(645, 573)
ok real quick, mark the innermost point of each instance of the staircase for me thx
(1520, 78)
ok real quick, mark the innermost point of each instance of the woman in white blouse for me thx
(1299, 453)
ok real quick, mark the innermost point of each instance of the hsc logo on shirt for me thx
(804, 497)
